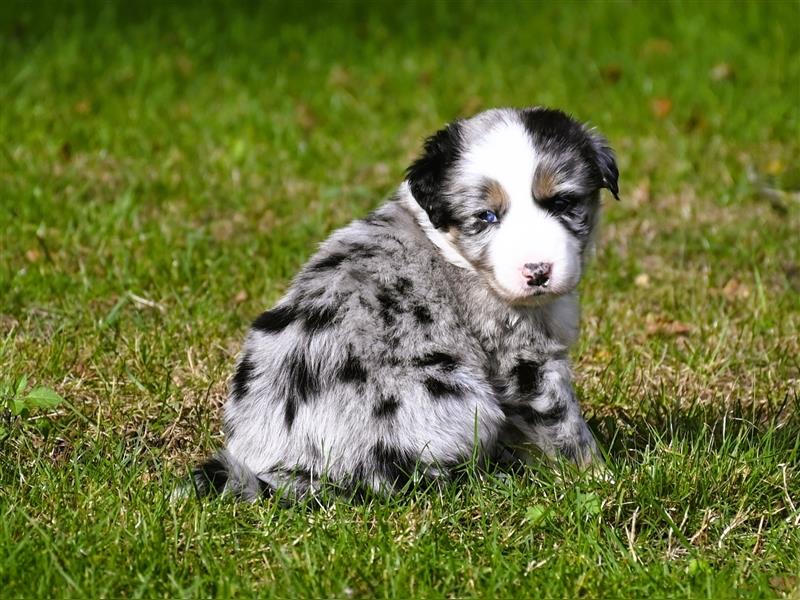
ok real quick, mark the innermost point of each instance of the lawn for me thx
(164, 170)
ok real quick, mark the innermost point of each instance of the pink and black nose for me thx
(537, 274)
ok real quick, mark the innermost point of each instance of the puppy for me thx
(434, 331)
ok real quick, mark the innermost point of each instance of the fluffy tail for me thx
(222, 474)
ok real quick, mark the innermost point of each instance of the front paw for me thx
(586, 456)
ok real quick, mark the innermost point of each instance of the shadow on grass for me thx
(624, 434)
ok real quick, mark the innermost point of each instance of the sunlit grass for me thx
(164, 170)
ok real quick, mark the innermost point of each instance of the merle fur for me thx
(385, 359)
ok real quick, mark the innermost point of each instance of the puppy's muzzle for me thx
(537, 274)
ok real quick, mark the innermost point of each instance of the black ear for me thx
(428, 174)
(606, 163)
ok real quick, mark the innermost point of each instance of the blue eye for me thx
(488, 215)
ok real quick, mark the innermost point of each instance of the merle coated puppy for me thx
(433, 331)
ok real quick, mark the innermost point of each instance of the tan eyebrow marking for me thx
(545, 182)
(496, 195)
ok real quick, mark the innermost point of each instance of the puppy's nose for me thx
(537, 274)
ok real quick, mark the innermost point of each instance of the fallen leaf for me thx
(611, 73)
(784, 583)
(661, 326)
(735, 290)
(82, 107)
(339, 76)
(222, 231)
(305, 117)
(642, 280)
(661, 107)
(678, 328)
(655, 46)
(240, 297)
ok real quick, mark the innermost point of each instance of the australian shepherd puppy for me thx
(433, 331)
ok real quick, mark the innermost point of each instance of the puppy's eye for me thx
(488, 215)
(560, 203)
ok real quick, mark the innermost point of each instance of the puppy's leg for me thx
(547, 414)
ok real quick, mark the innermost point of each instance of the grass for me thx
(165, 169)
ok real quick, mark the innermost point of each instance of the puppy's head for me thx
(515, 195)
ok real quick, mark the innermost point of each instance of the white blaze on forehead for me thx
(504, 153)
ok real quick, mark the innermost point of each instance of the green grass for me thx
(165, 169)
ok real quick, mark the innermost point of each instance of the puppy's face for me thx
(516, 194)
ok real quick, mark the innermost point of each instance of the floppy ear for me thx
(606, 163)
(428, 174)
